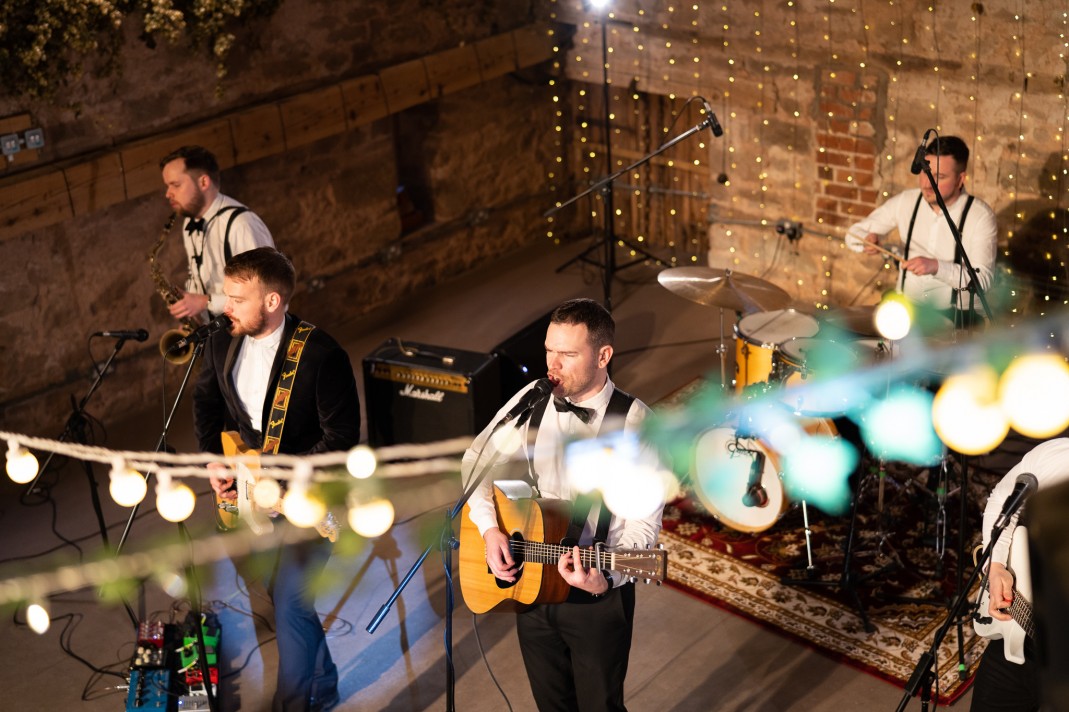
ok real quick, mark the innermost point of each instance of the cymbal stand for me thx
(721, 351)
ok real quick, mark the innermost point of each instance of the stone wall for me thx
(332, 205)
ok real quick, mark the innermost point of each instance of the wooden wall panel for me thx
(96, 184)
(312, 116)
(405, 85)
(364, 101)
(141, 161)
(33, 201)
(453, 70)
(257, 133)
(497, 56)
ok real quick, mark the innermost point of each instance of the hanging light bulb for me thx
(21, 463)
(370, 518)
(893, 317)
(38, 618)
(361, 462)
(174, 501)
(300, 507)
(1034, 392)
(127, 486)
(966, 413)
(266, 493)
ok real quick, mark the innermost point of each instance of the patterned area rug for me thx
(903, 569)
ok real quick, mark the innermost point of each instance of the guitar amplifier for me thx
(416, 393)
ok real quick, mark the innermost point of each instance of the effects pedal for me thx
(150, 690)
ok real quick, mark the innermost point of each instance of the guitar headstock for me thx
(649, 564)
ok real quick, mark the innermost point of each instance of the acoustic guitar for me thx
(229, 514)
(1023, 623)
(531, 525)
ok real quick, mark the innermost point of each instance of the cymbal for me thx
(857, 320)
(724, 288)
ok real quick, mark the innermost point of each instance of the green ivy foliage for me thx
(43, 42)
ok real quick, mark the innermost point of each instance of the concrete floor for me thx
(687, 655)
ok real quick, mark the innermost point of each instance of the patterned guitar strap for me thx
(281, 402)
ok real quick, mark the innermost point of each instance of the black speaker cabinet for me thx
(523, 356)
(416, 393)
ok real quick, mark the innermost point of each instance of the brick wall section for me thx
(848, 143)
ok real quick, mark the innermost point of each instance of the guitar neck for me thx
(541, 553)
(1021, 611)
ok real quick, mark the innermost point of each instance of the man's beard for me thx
(196, 206)
(250, 328)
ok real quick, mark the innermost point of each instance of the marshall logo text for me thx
(410, 391)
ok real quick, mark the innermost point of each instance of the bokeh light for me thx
(37, 618)
(302, 509)
(818, 470)
(371, 518)
(1034, 392)
(266, 493)
(361, 462)
(899, 427)
(893, 318)
(966, 412)
(174, 502)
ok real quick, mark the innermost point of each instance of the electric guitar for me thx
(1023, 624)
(228, 513)
(531, 523)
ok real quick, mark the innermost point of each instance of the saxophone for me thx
(170, 294)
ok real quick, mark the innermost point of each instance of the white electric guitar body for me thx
(1013, 632)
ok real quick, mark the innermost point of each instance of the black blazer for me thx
(324, 410)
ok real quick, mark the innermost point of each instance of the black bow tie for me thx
(584, 414)
(195, 225)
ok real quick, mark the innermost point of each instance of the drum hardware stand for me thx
(605, 186)
(848, 581)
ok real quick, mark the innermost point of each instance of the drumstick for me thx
(885, 251)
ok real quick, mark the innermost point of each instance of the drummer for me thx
(930, 271)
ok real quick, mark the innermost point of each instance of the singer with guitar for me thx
(930, 271)
(286, 387)
(575, 652)
(1008, 676)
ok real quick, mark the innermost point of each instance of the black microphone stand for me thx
(447, 543)
(605, 186)
(923, 674)
(974, 284)
(195, 602)
(76, 430)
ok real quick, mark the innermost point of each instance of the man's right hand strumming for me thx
(223, 484)
(499, 555)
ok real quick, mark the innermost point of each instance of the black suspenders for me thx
(957, 249)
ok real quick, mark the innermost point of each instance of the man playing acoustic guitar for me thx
(575, 652)
(287, 387)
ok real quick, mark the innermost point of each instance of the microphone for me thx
(919, 161)
(756, 495)
(718, 131)
(1026, 485)
(202, 332)
(543, 387)
(135, 334)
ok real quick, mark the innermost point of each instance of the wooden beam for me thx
(96, 184)
(309, 117)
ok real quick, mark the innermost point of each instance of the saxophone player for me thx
(216, 227)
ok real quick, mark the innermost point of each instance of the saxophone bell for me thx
(170, 294)
(170, 339)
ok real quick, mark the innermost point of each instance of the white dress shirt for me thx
(252, 373)
(932, 238)
(247, 232)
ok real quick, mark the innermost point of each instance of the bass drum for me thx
(728, 468)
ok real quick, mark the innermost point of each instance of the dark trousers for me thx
(306, 672)
(576, 653)
(1002, 686)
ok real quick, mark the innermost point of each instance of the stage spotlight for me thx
(598, 4)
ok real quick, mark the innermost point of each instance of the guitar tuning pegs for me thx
(634, 579)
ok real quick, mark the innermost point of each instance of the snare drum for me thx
(758, 335)
(801, 361)
(726, 478)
